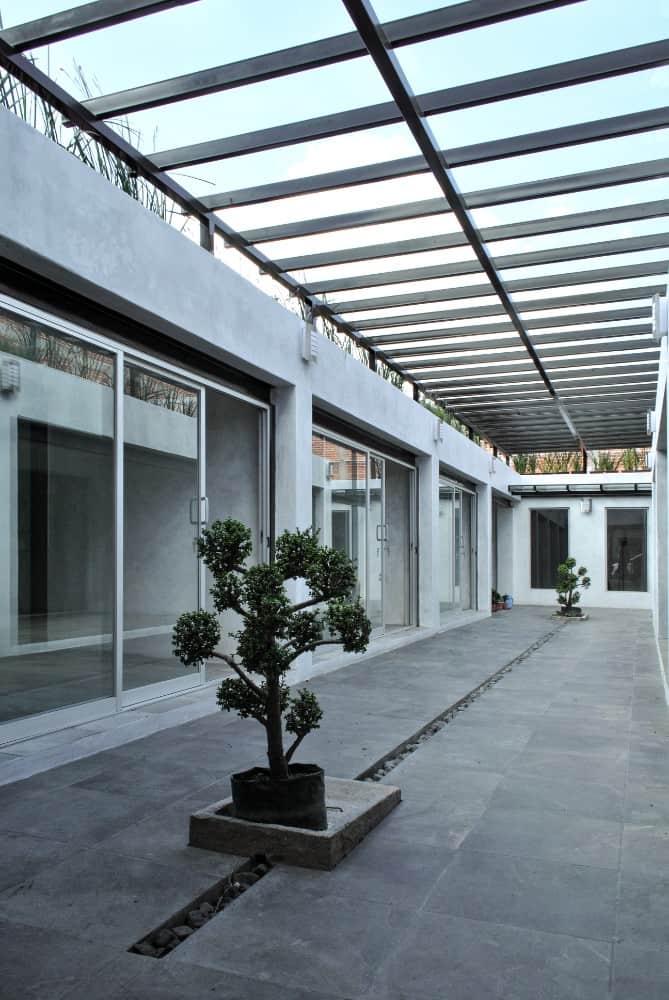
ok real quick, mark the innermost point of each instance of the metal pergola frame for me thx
(582, 376)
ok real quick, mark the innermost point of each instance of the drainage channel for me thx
(389, 761)
(181, 925)
(186, 921)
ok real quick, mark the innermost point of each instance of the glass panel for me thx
(457, 561)
(234, 485)
(377, 533)
(397, 575)
(161, 480)
(465, 548)
(626, 549)
(339, 502)
(446, 550)
(550, 545)
(56, 521)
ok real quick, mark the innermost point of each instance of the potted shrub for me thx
(568, 580)
(274, 632)
(497, 602)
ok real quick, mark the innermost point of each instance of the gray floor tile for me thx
(449, 958)
(95, 895)
(560, 795)
(539, 895)
(643, 912)
(328, 943)
(45, 967)
(640, 974)
(552, 836)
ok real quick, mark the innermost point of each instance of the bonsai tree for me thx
(568, 581)
(274, 631)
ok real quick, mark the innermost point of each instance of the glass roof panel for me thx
(574, 159)
(571, 32)
(565, 106)
(185, 38)
(270, 103)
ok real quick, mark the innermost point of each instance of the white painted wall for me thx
(587, 540)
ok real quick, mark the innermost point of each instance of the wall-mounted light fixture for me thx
(660, 316)
(10, 376)
(586, 505)
(651, 422)
(309, 342)
(438, 430)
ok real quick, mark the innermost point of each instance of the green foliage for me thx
(195, 637)
(559, 461)
(34, 109)
(274, 631)
(603, 461)
(525, 464)
(569, 579)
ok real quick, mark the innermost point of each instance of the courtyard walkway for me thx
(528, 860)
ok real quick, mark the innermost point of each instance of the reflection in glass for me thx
(446, 549)
(549, 544)
(160, 516)
(339, 501)
(377, 536)
(626, 549)
(56, 521)
(397, 570)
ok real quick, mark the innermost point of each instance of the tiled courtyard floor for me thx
(529, 859)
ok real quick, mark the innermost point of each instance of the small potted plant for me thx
(567, 594)
(274, 632)
(508, 601)
(497, 602)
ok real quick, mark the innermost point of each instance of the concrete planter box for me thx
(354, 808)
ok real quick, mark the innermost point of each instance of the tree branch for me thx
(240, 673)
(312, 645)
(293, 746)
(308, 604)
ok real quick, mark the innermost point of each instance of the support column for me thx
(428, 540)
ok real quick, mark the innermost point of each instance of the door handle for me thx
(382, 532)
(199, 510)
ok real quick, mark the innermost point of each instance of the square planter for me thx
(354, 808)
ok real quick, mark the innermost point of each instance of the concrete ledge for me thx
(354, 808)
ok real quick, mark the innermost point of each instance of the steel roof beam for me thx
(518, 285)
(529, 305)
(585, 181)
(533, 142)
(506, 262)
(548, 340)
(490, 352)
(80, 20)
(542, 324)
(364, 19)
(490, 234)
(465, 376)
(311, 55)
(26, 71)
(513, 85)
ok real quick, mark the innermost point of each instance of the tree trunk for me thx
(277, 760)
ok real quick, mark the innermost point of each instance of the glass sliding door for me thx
(236, 460)
(457, 548)
(56, 520)
(446, 551)
(364, 504)
(398, 568)
(162, 513)
(339, 501)
(378, 535)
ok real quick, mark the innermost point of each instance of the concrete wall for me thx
(56, 215)
(587, 541)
